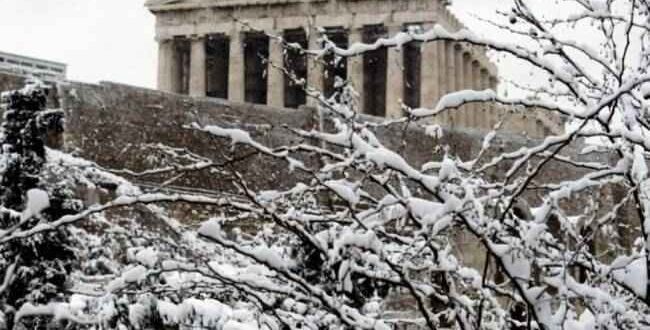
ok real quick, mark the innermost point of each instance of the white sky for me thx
(112, 39)
(98, 39)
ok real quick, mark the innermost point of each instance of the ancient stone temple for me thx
(221, 48)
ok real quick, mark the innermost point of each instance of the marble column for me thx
(395, 77)
(494, 83)
(166, 65)
(430, 76)
(488, 110)
(457, 117)
(467, 70)
(355, 68)
(236, 68)
(451, 76)
(197, 67)
(275, 89)
(498, 110)
(460, 68)
(484, 80)
(443, 80)
(314, 68)
(478, 115)
(468, 111)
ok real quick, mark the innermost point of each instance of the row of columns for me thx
(445, 67)
(451, 67)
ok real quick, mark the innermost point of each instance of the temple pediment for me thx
(150, 3)
(160, 5)
(172, 4)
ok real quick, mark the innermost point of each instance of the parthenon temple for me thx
(222, 48)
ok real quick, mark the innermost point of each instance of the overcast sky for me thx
(98, 39)
(105, 39)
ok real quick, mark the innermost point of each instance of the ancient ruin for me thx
(220, 49)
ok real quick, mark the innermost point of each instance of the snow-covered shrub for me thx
(36, 268)
(551, 235)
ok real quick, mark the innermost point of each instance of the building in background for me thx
(205, 51)
(24, 65)
(222, 48)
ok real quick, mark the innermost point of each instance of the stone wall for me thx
(108, 122)
(120, 126)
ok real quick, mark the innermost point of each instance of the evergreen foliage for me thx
(40, 263)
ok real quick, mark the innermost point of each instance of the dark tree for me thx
(36, 267)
